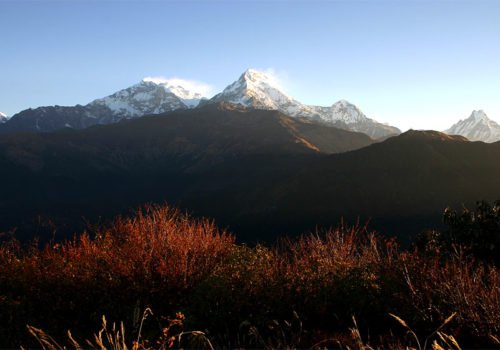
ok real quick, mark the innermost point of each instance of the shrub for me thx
(474, 232)
(153, 258)
(477, 230)
(242, 296)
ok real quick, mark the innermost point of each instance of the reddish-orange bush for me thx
(155, 257)
(460, 285)
(166, 260)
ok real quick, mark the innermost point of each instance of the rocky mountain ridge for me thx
(477, 127)
(255, 89)
(147, 97)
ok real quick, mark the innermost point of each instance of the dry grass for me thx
(243, 296)
(460, 285)
(172, 336)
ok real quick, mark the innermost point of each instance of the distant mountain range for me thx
(253, 89)
(478, 127)
(261, 173)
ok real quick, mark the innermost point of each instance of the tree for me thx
(477, 231)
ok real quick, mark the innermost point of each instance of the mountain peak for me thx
(479, 115)
(347, 112)
(256, 79)
(153, 95)
(146, 97)
(190, 93)
(477, 127)
(261, 90)
(257, 89)
(343, 103)
(252, 72)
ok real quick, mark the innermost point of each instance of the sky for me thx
(417, 64)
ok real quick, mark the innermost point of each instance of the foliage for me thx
(295, 294)
(475, 233)
(477, 230)
(156, 257)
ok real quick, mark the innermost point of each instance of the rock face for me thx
(150, 96)
(255, 89)
(478, 127)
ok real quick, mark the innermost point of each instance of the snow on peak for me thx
(138, 100)
(347, 112)
(190, 92)
(479, 116)
(255, 78)
(262, 90)
(3, 118)
(259, 89)
(477, 127)
(153, 95)
(343, 103)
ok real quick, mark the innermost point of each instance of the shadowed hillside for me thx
(258, 172)
(404, 179)
(107, 169)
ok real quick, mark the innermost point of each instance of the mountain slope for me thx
(258, 90)
(478, 127)
(102, 170)
(218, 129)
(150, 96)
(401, 184)
(347, 116)
(259, 172)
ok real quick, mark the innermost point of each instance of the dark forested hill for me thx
(106, 169)
(259, 172)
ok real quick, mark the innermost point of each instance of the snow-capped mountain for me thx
(258, 90)
(254, 89)
(147, 97)
(191, 98)
(346, 115)
(3, 118)
(478, 127)
(150, 96)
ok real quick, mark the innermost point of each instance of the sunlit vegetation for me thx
(345, 287)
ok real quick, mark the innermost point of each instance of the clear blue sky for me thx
(419, 64)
